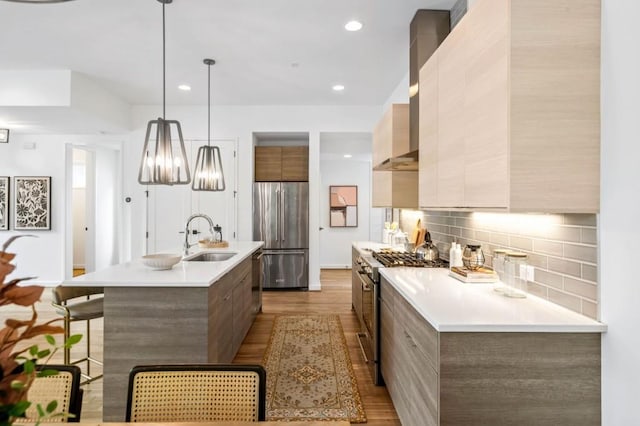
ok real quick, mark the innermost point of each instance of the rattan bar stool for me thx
(75, 304)
(196, 393)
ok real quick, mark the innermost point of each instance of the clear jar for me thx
(515, 273)
(499, 257)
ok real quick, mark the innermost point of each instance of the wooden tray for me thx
(211, 244)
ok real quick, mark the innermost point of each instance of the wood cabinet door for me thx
(381, 149)
(486, 179)
(224, 328)
(452, 117)
(268, 163)
(241, 311)
(428, 134)
(381, 189)
(295, 163)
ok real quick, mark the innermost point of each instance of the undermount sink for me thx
(209, 257)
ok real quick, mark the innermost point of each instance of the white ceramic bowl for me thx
(161, 261)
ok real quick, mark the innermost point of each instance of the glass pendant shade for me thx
(208, 174)
(164, 161)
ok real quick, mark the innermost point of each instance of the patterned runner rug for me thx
(309, 372)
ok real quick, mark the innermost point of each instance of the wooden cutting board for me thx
(415, 234)
(421, 235)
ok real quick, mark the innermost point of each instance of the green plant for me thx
(19, 366)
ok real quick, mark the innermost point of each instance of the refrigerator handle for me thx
(283, 236)
(278, 214)
(287, 252)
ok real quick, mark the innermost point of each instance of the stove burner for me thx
(398, 258)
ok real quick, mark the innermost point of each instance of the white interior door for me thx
(171, 206)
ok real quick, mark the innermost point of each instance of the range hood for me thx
(407, 163)
(427, 30)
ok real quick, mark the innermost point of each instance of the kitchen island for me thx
(195, 312)
(463, 354)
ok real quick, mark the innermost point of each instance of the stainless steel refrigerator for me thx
(281, 220)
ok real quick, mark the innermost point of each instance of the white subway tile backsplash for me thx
(562, 248)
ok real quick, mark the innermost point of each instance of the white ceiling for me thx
(277, 52)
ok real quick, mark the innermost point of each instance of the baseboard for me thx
(335, 267)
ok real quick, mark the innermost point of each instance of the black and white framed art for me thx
(32, 203)
(4, 202)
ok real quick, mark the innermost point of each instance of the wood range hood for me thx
(427, 30)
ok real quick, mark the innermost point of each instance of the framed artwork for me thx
(4, 202)
(4, 135)
(343, 206)
(32, 205)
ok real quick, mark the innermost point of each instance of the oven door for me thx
(368, 339)
(368, 301)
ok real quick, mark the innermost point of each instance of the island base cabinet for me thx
(169, 325)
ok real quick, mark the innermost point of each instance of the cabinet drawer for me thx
(241, 271)
(418, 330)
(417, 380)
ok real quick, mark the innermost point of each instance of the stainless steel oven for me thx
(368, 272)
(369, 337)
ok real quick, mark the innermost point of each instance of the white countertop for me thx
(450, 305)
(183, 274)
(365, 247)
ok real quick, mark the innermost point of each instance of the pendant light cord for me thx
(209, 109)
(164, 83)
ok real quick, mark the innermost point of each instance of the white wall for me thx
(335, 243)
(620, 211)
(42, 257)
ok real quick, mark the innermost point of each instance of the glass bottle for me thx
(499, 257)
(515, 272)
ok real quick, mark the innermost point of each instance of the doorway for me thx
(93, 221)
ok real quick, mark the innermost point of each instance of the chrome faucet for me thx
(186, 230)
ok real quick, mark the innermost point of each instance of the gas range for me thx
(389, 258)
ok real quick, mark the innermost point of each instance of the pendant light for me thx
(208, 174)
(163, 161)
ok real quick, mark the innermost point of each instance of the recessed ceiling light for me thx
(347, 156)
(184, 87)
(353, 26)
(338, 87)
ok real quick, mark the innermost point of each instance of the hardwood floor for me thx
(335, 297)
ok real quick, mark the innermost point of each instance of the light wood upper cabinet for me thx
(391, 139)
(281, 163)
(517, 126)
